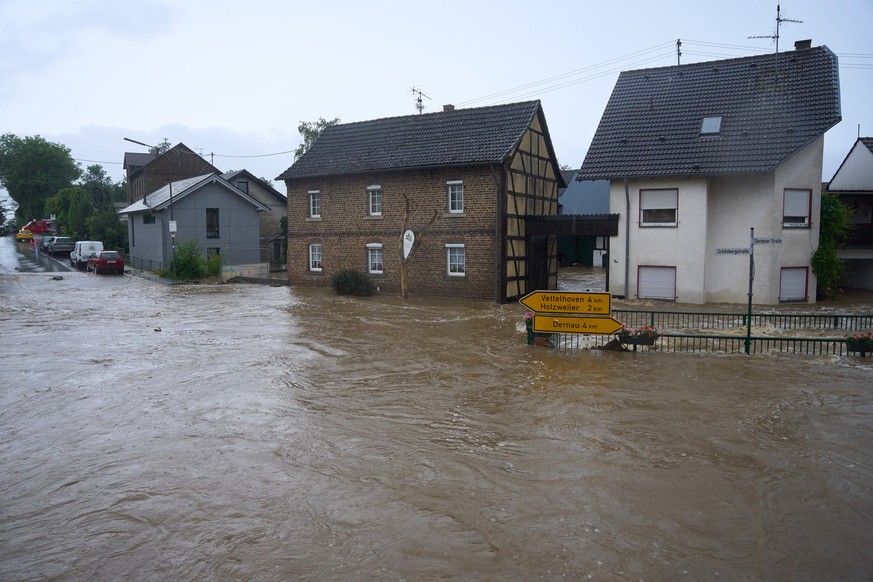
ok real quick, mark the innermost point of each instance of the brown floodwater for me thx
(244, 432)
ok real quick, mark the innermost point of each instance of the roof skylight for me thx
(711, 125)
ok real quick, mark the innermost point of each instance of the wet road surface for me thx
(241, 432)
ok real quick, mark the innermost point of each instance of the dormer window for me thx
(711, 126)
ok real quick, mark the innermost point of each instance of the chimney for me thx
(802, 44)
(448, 107)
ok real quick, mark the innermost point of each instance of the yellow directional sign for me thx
(575, 324)
(568, 302)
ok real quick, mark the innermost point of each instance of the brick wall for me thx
(345, 228)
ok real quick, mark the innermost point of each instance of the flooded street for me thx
(243, 432)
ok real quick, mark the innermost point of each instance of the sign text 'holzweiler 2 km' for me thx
(568, 303)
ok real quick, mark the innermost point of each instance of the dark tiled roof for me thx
(651, 125)
(867, 141)
(136, 159)
(480, 135)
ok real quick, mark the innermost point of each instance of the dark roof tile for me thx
(480, 135)
(651, 125)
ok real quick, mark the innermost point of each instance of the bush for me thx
(213, 265)
(189, 262)
(350, 282)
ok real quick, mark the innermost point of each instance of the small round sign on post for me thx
(408, 240)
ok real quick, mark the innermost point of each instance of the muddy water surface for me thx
(237, 432)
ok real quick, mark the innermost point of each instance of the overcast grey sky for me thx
(235, 79)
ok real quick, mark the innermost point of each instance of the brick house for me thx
(698, 155)
(481, 175)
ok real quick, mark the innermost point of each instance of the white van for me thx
(82, 250)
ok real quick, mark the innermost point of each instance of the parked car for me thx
(61, 244)
(24, 234)
(106, 261)
(45, 242)
(82, 250)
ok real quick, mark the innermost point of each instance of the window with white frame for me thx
(793, 284)
(314, 203)
(374, 258)
(456, 260)
(456, 196)
(795, 207)
(374, 200)
(315, 260)
(659, 207)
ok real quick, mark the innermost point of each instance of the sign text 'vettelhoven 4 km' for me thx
(570, 303)
(574, 324)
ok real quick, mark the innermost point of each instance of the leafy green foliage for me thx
(189, 262)
(81, 208)
(833, 229)
(33, 169)
(349, 282)
(213, 265)
(106, 226)
(309, 131)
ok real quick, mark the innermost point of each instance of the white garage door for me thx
(656, 283)
(792, 284)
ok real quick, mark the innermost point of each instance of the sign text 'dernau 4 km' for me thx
(568, 303)
(574, 324)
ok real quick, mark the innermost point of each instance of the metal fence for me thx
(679, 320)
(681, 332)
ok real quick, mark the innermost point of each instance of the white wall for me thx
(714, 213)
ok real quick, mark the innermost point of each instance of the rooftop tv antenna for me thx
(418, 102)
(779, 21)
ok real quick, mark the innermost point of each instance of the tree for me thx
(161, 148)
(107, 227)
(33, 169)
(415, 242)
(834, 226)
(81, 209)
(309, 131)
(104, 192)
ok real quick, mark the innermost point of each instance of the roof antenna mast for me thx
(418, 102)
(779, 21)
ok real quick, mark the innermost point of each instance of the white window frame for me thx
(314, 203)
(455, 193)
(794, 284)
(796, 207)
(374, 200)
(316, 257)
(453, 252)
(375, 266)
(657, 202)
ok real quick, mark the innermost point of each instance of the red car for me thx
(106, 261)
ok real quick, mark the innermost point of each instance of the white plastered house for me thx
(697, 156)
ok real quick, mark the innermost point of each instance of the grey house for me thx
(220, 217)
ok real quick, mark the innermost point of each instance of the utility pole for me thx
(678, 51)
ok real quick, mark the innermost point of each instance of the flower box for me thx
(861, 343)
